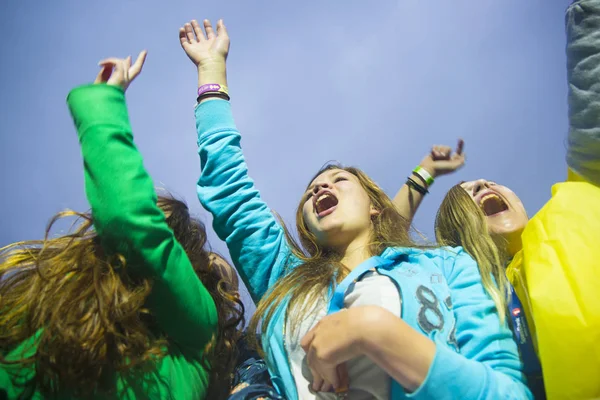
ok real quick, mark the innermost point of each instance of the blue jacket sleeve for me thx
(488, 366)
(256, 242)
(583, 71)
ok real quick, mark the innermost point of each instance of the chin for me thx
(324, 234)
(327, 226)
(506, 227)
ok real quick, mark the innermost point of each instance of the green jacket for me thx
(128, 221)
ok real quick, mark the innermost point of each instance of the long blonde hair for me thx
(320, 268)
(460, 222)
(89, 315)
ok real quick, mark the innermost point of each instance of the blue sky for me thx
(370, 84)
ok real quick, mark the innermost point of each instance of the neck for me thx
(514, 245)
(356, 251)
(511, 242)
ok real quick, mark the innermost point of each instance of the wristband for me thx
(213, 88)
(423, 174)
(412, 184)
(212, 94)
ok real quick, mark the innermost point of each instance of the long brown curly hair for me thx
(84, 318)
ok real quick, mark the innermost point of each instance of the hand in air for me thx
(441, 160)
(205, 50)
(119, 71)
(335, 339)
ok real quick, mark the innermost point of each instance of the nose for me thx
(480, 185)
(321, 185)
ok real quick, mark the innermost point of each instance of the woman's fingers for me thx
(189, 33)
(210, 33)
(138, 65)
(221, 29)
(460, 146)
(104, 74)
(198, 31)
(183, 36)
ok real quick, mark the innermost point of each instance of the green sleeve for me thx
(128, 221)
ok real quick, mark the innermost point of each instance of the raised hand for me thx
(205, 50)
(119, 71)
(441, 160)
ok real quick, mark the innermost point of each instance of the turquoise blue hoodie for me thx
(476, 357)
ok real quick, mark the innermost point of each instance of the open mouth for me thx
(325, 203)
(492, 204)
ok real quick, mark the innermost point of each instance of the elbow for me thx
(110, 225)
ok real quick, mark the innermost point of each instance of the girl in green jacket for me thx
(129, 304)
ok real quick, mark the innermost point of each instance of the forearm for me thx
(429, 370)
(411, 194)
(583, 69)
(407, 201)
(211, 74)
(117, 186)
(399, 350)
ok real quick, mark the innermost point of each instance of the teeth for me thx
(323, 196)
(488, 196)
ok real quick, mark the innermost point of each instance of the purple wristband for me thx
(211, 87)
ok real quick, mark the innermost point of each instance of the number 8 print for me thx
(429, 301)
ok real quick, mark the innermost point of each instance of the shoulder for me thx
(451, 261)
(440, 254)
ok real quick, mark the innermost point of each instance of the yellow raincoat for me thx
(557, 276)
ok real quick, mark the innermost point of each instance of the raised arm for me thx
(125, 213)
(440, 161)
(583, 69)
(256, 242)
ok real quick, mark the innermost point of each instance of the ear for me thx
(374, 212)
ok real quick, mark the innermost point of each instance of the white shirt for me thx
(367, 380)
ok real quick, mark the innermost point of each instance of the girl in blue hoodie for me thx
(355, 306)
